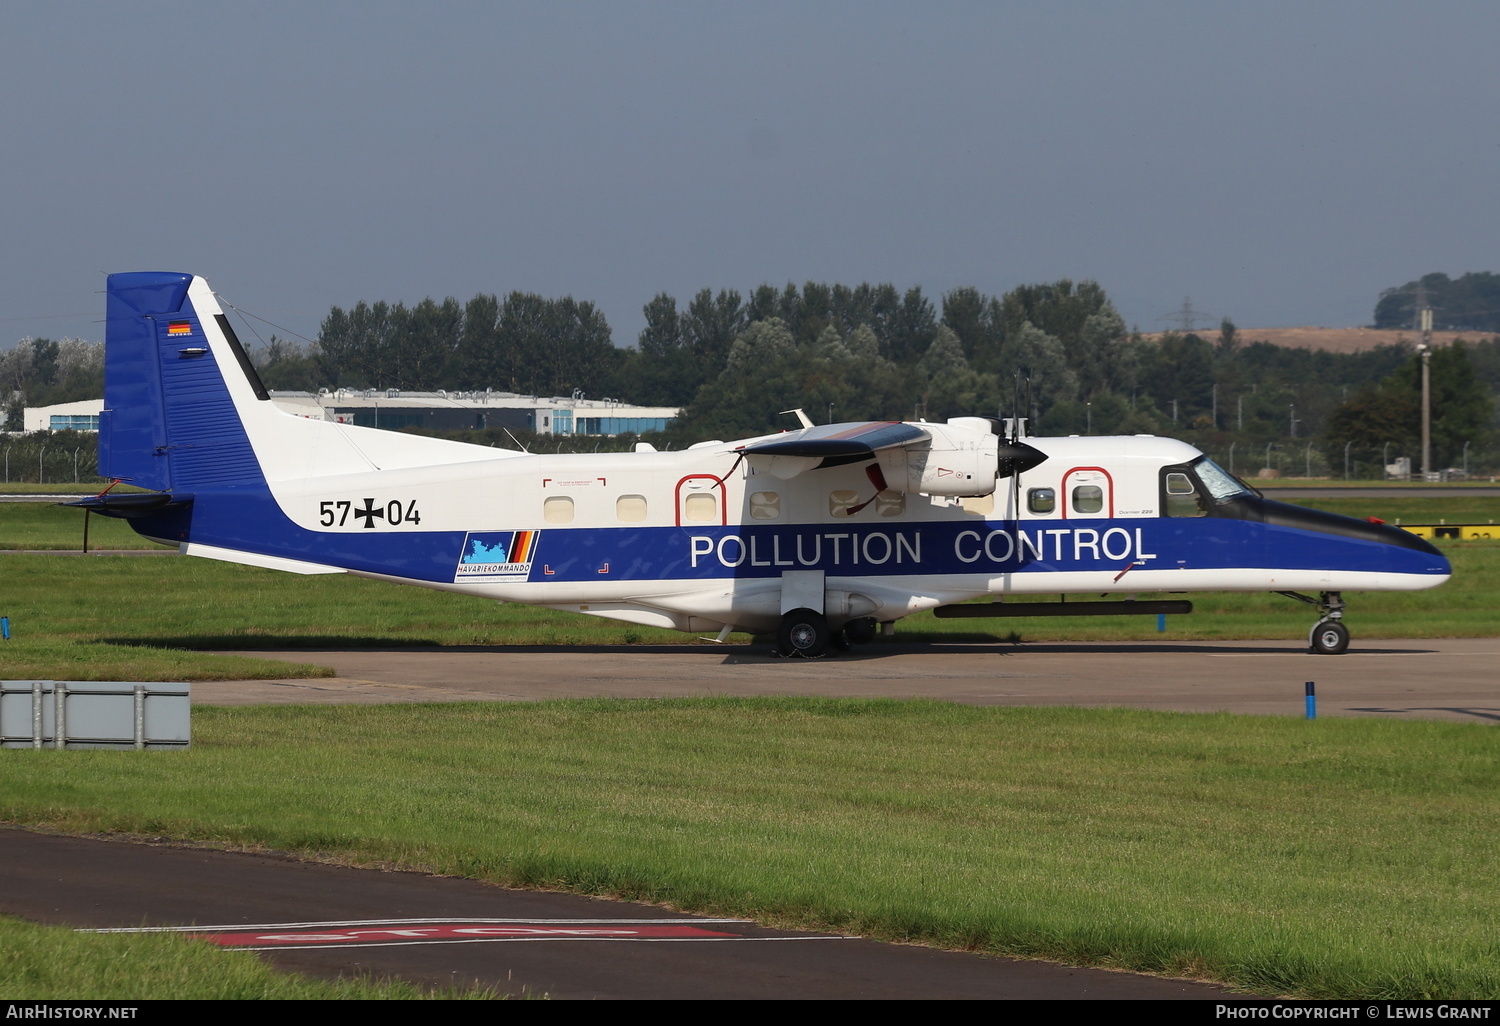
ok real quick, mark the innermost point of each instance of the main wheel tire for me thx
(803, 632)
(861, 631)
(1330, 638)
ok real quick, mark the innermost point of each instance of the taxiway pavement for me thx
(1447, 678)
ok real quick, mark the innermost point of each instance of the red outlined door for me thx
(701, 499)
(1088, 494)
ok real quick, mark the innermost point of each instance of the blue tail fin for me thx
(169, 422)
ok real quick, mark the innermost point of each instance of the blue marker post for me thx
(1161, 623)
(5, 627)
(1312, 702)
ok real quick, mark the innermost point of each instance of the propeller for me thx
(1015, 457)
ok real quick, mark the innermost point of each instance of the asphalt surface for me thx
(1452, 679)
(331, 921)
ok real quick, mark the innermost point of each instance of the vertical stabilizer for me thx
(169, 420)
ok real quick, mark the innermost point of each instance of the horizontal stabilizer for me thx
(132, 504)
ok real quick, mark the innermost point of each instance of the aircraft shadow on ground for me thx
(273, 642)
(1481, 714)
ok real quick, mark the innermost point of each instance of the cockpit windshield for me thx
(1221, 484)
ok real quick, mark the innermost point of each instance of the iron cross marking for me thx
(370, 512)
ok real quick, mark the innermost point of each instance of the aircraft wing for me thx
(963, 457)
(834, 445)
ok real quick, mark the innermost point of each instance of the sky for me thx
(1279, 163)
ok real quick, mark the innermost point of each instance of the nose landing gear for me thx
(1329, 636)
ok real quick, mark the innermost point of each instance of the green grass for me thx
(1335, 858)
(1475, 509)
(78, 618)
(68, 488)
(40, 963)
(1271, 487)
(24, 658)
(43, 525)
(90, 487)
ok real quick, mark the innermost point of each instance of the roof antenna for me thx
(1028, 405)
(1013, 427)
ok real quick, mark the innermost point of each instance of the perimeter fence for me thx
(50, 457)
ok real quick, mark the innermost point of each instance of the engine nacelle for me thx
(962, 460)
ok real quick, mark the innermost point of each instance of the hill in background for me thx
(1337, 340)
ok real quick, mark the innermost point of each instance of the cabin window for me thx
(841, 501)
(1088, 499)
(701, 507)
(890, 504)
(558, 509)
(630, 509)
(1182, 496)
(765, 505)
(984, 505)
(1041, 500)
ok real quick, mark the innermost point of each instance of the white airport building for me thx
(436, 411)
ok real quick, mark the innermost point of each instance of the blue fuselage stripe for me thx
(249, 519)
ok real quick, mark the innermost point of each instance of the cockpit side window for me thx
(1181, 495)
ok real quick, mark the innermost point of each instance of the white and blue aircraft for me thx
(819, 534)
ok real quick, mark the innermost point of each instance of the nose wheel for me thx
(1329, 636)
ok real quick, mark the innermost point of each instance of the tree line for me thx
(44, 371)
(1470, 302)
(878, 350)
(1058, 353)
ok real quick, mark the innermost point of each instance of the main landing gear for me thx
(805, 633)
(1329, 636)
